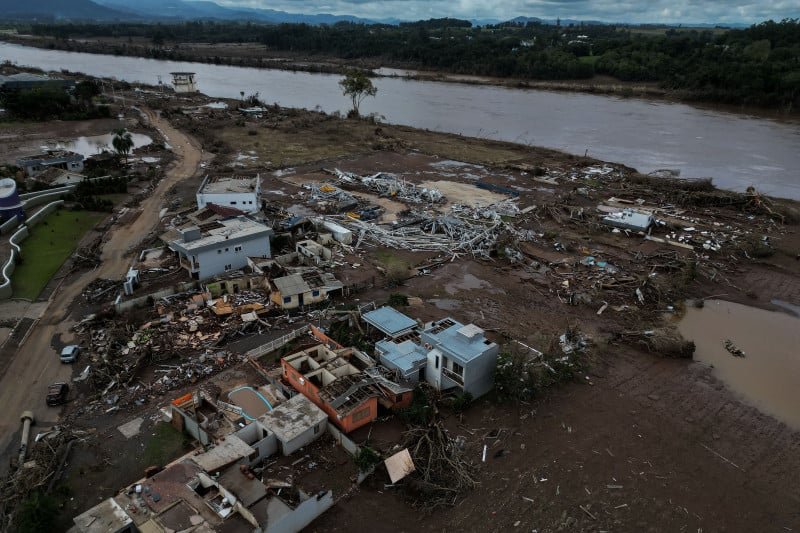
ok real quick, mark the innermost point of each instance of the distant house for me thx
(58, 177)
(233, 191)
(213, 248)
(444, 353)
(184, 82)
(34, 165)
(307, 288)
(344, 383)
(25, 81)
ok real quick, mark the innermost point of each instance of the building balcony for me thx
(457, 378)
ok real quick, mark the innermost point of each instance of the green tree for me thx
(122, 142)
(357, 86)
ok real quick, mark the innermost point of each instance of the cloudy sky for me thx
(607, 10)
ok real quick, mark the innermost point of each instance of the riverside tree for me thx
(122, 142)
(357, 86)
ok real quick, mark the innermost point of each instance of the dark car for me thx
(57, 394)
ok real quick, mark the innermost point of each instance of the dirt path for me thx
(35, 365)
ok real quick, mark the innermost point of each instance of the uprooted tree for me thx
(357, 85)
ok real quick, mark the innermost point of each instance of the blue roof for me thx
(390, 321)
(461, 342)
(404, 356)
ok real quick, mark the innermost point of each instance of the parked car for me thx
(70, 353)
(57, 394)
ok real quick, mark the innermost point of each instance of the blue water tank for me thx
(10, 203)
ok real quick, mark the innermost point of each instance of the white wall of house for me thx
(226, 256)
(314, 296)
(245, 201)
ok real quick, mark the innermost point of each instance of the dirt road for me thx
(36, 365)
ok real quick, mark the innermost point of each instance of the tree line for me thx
(759, 65)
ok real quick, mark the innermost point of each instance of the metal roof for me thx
(405, 356)
(463, 343)
(390, 321)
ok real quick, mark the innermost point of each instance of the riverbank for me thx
(252, 55)
(736, 150)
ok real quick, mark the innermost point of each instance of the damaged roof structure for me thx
(213, 491)
(213, 248)
(240, 192)
(344, 382)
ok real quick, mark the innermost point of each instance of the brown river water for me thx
(736, 149)
(768, 376)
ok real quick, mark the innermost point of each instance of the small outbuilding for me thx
(296, 423)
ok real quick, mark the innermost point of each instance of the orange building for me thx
(344, 383)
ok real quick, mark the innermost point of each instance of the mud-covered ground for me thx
(638, 442)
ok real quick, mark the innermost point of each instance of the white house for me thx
(231, 191)
(459, 357)
(36, 164)
(445, 353)
(220, 246)
(184, 82)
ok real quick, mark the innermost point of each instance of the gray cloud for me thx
(608, 10)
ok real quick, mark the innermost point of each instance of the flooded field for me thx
(768, 373)
(88, 146)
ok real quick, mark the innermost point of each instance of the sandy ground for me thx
(36, 365)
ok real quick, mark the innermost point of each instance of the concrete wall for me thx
(343, 440)
(479, 373)
(260, 439)
(142, 300)
(247, 202)
(305, 438)
(183, 422)
(302, 515)
(20, 235)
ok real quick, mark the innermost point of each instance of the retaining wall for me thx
(16, 252)
(9, 225)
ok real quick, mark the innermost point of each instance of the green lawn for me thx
(50, 243)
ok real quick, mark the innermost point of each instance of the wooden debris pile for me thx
(442, 472)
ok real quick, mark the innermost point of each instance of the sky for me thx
(655, 11)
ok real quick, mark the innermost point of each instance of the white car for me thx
(70, 353)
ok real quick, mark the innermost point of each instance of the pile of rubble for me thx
(188, 329)
(390, 185)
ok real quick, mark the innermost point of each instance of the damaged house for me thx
(307, 288)
(34, 165)
(207, 492)
(239, 192)
(344, 383)
(219, 245)
(444, 353)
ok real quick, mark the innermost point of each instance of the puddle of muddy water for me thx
(445, 304)
(768, 375)
(88, 146)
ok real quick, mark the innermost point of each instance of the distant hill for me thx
(195, 10)
(58, 10)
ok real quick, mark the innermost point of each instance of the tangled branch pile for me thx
(36, 475)
(442, 472)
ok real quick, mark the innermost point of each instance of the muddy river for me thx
(768, 374)
(737, 150)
